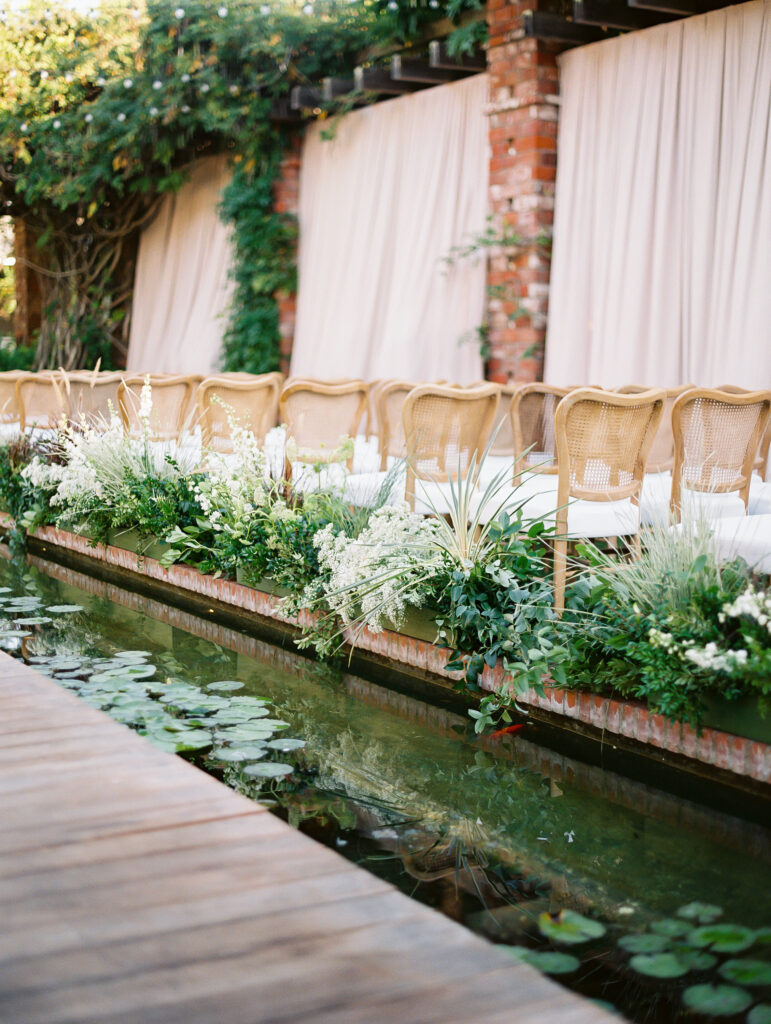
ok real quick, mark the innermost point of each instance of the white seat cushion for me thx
(366, 455)
(748, 538)
(696, 505)
(760, 497)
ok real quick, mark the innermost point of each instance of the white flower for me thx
(157, 84)
(265, 9)
(127, 83)
(69, 77)
(185, 77)
(57, 123)
(185, 109)
(205, 87)
(24, 127)
(154, 111)
(179, 13)
(308, 9)
(223, 12)
(121, 116)
(44, 75)
(89, 118)
(101, 81)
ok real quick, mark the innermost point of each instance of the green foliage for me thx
(101, 113)
(15, 357)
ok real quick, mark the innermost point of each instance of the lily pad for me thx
(695, 959)
(34, 620)
(722, 938)
(268, 770)
(547, 961)
(287, 744)
(704, 913)
(570, 927)
(248, 752)
(658, 965)
(716, 1000)
(644, 943)
(225, 686)
(63, 609)
(746, 972)
(670, 926)
(760, 1014)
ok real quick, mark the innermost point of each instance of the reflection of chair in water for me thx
(252, 403)
(603, 440)
(717, 436)
(171, 400)
(443, 428)
(91, 395)
(319, 416)
(42, 401)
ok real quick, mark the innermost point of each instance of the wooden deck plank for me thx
(135, 888)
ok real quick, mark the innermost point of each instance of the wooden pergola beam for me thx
(682, 7)
(438, 57)
(334, 88)
(553, 28)
(407, 69)
(378, 80)
(303, 97)
(609, 14)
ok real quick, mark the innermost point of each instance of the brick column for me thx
(287, 198)
(524, 89)
(26, 317)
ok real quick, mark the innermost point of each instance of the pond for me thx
(651, 902)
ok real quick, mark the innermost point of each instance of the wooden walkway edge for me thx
(136, 888)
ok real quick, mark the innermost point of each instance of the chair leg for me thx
(560, 574)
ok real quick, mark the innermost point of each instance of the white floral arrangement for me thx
(387, 568)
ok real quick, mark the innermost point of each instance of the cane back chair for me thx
(444, 427)
(171, 402)
(532, 410)
(662, 454)
(602, 440)
(320, 415)
(42, 401)
(717, 436)
(91, 395)
(252, 404)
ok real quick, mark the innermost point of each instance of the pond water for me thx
(631, 895)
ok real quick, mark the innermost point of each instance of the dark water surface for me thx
(493, 834)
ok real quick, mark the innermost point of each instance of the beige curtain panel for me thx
(662, 233)
(181, 287)
(381, 205)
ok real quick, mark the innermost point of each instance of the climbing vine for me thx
(102, 112)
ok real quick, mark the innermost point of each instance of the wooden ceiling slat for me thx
(553, 28)
(406, 69)
(610, 14)
(378, 80)
(438, 57)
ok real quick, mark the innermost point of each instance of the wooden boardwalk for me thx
(136, 888)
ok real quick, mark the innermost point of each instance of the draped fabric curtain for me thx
(662, 234)
(181, 286)
(381, 206)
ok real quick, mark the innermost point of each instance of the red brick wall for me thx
(287, 197)
(524, 89)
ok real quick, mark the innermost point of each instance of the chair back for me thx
(443, 428)
(717, 437)
(503, 441)
(171, 402)
(319, 415)
(760, 465)
(662, 453)
(252, 403)
(90, 395)
(532, 409)
(9, 401)
(603, 442)
(42, 401)
(390, 403)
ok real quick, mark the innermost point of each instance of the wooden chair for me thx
(171, 402)
(390, 403)
(9, 400)
(662, 453)
(253, 403)
(602, 443)
(717, 436)
(41, 400)
(443, 428)
(503, 441)
(319, 415)
(532, 409)
(760, 465)
(90, 395)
